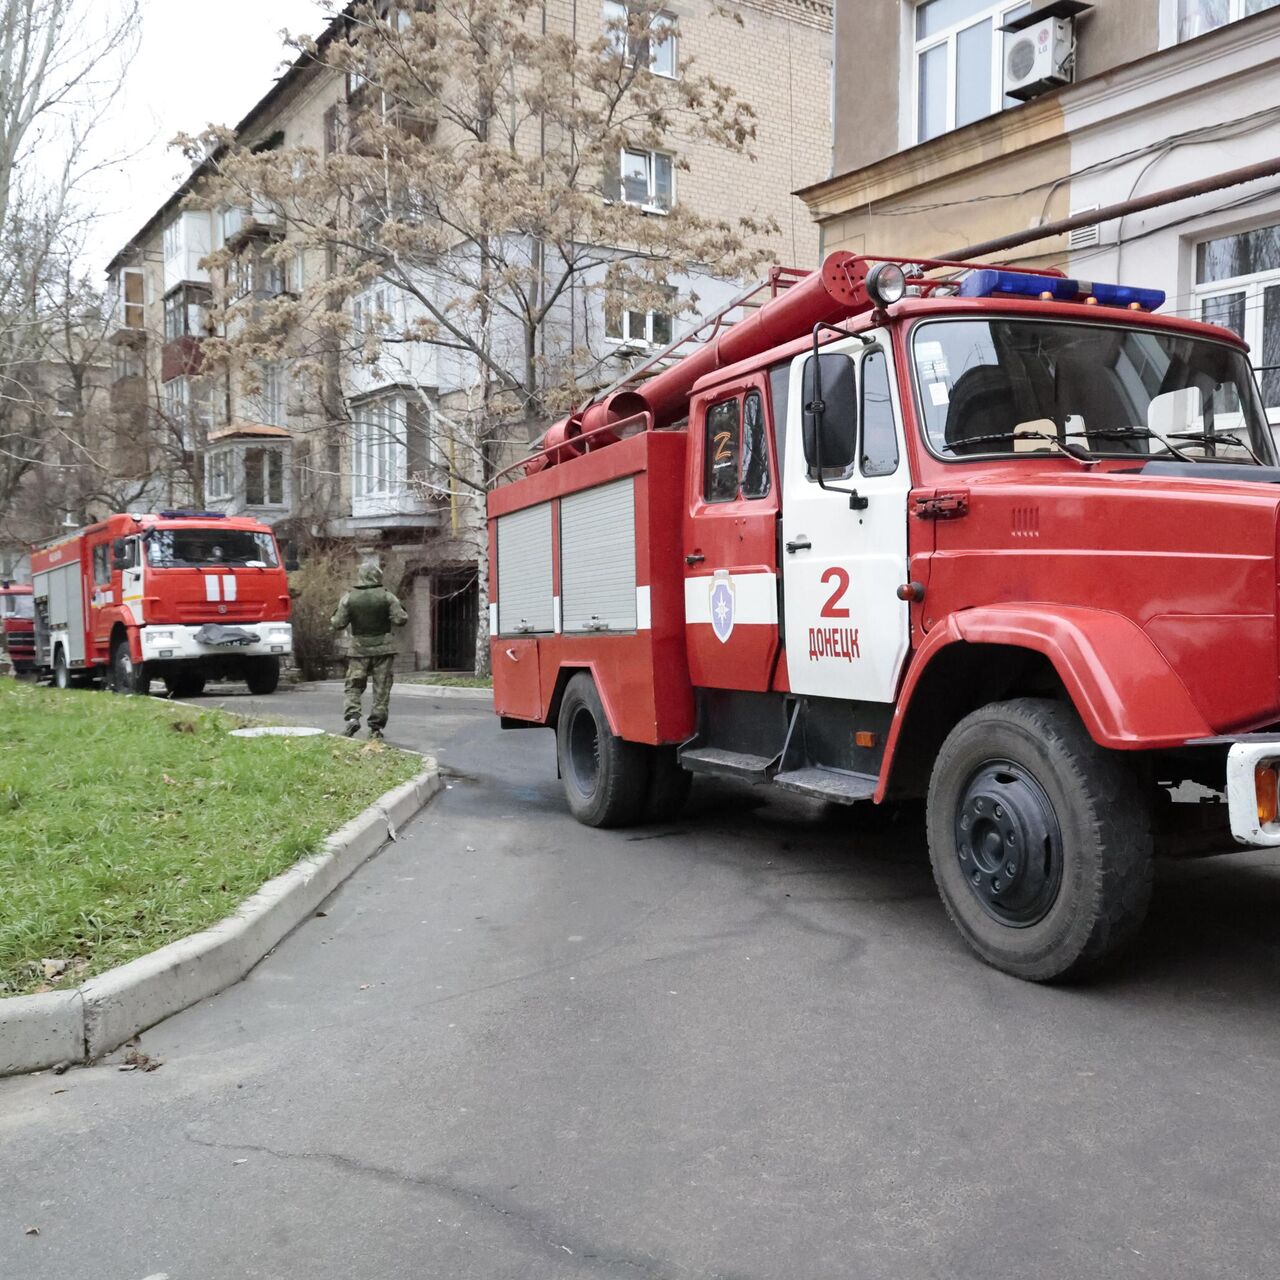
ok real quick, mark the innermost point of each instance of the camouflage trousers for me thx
(359, 672)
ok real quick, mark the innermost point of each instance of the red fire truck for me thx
(991, 538)
(182, 596)
(17, 619)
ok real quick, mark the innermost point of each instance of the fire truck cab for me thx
(17, 625)
(992, 538)
(182, 597)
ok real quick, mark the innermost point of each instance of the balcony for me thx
(181, 357)
(259, 221)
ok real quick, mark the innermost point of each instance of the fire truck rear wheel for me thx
(1040, 840)
(128, 676)
(61, 672)
(184, 685)
(606, 779)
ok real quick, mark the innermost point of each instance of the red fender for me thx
(1123, 688)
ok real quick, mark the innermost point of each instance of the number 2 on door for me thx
(833, 608)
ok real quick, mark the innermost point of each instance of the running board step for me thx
(727, 764)
(829, 784)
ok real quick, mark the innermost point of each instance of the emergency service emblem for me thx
(723, 599)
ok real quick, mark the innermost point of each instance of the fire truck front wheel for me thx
(127, 676)
(606, 779)
(1040, 840)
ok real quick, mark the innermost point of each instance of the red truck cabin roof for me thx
(911, 309)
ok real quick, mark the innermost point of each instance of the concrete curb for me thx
(413, 690)
(82, 1024)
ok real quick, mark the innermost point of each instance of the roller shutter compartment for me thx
(524, 572)
(598, 558)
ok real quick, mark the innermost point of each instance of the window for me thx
(1238, 287)
(722, 447)
(217, 474)
(188, 404)
(755, 448)
(780, 394)
(186, 313)
(417, 441)
(377, 468)
(102, 564)
(191, 548)
(879, 431)
(638, 328)
(959, 62)
(648, 180)
(656, 48)
(130, 298)
(331, 135)
(1022, 387)
(173, 238)
(264, 477)
(1196, 17)
(65, 402)
(258, 276)
(126, 362)
(270, 404)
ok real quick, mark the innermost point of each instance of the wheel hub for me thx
(584, 750)
(1009, 844)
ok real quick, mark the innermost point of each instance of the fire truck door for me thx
(846, 632)
(102, 597)
(731, 541)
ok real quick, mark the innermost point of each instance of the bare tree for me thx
(61, 63)
(471, 210)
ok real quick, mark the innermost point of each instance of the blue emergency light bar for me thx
(989, 282)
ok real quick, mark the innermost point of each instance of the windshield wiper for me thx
(1236, 434)
(1134, 433)
(1075, 452)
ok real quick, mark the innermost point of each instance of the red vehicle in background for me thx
(17, 625)
(182, 596)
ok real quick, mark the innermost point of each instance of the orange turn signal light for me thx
(863, 738)
(1266, 783)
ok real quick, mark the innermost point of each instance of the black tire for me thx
(262, 675)
(61, 672)
(186, 684)
(668, 786)
(606, 779)
(126, 675)
(1041, 841)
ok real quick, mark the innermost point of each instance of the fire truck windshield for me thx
(17, 606)
(1002, 386)
(196, 548)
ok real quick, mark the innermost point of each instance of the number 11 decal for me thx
(833, 608)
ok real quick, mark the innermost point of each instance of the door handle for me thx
(694, 557)
(800, 544)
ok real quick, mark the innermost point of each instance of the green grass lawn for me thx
(126, 823)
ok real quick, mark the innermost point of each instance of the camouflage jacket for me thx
(370, 611)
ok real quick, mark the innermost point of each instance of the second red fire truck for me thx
(993, 538)
(181, 596)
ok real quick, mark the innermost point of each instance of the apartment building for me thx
(344, 462)
(931, 152)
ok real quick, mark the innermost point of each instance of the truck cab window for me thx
(755, 448)
(879, 431)
(722, 447)
(780, 394)
(102, 564)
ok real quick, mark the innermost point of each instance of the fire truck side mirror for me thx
(830, 415)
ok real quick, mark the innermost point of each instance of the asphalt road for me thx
(744, 1045)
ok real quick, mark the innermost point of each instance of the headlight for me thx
(156, 636)
(281, 631)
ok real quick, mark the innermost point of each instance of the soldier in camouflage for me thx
(370, 610)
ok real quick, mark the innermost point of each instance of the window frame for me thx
(738, 398)
(997, 12)
(617, 11)
(270, 461)
(218, 468)
(624, 337)
(1235, 11)
(651, 174)
(1253, 285)
(381, 458)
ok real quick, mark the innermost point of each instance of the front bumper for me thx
(1244, 758)
(173, 643)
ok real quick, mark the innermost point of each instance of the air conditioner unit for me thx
(1040, 49)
